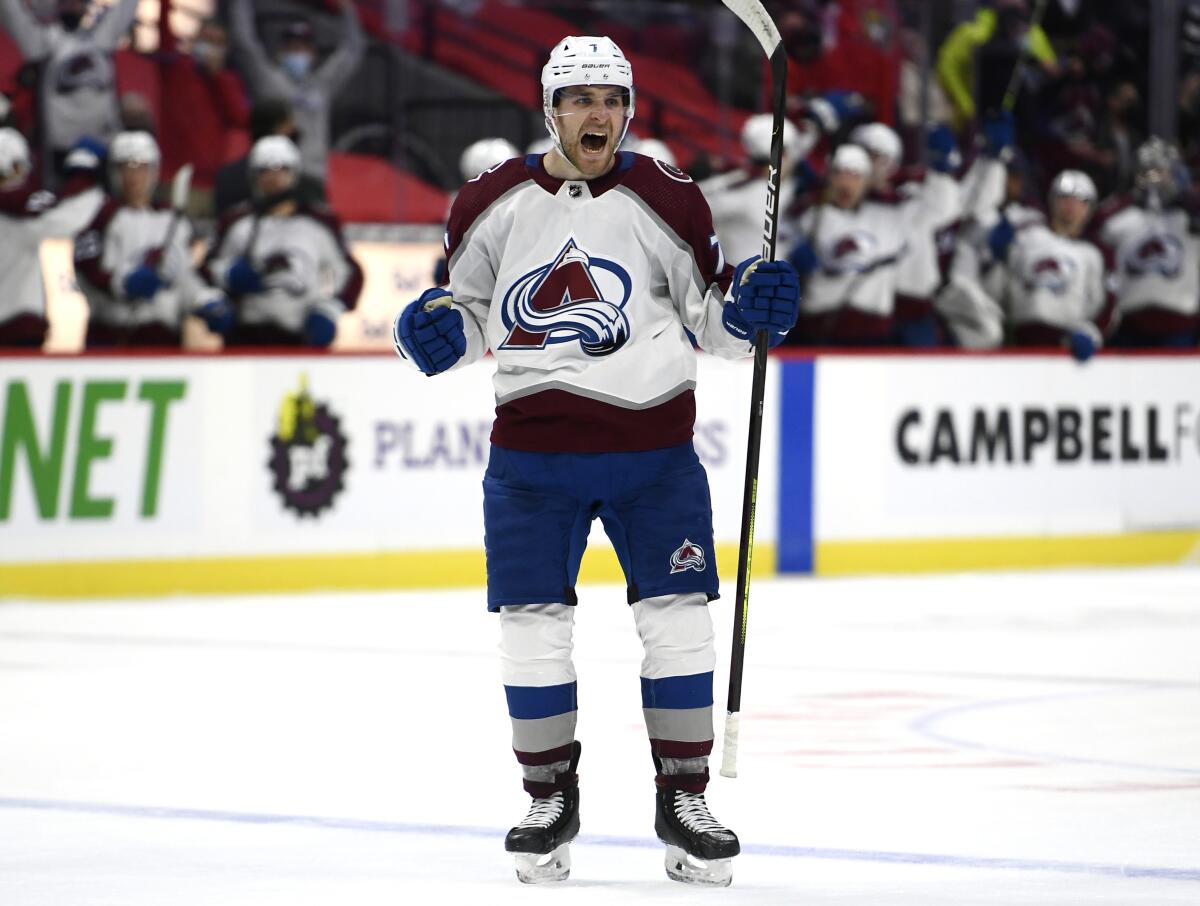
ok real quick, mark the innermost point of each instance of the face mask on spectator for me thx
(297, 63)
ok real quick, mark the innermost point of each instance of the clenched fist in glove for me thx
(433, 339)
(766, 296)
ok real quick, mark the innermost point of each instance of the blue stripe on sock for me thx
(536, 702)
(693, 691)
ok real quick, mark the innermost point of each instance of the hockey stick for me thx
(756, 18)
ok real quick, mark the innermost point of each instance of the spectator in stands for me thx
(295, 74)
(851, 45)
(985, 51)
(27, 216)
(272, 116)
(1054, 284)
(78, 85)
(134, 261)
(284, 262)
(207, 109)
(1154, 235)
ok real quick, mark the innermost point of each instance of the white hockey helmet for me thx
(14, 155)
(584, 60)
(1159, 168)
(850, 158)
(652, 147)
(1075, 184)
(274, 152)
(485, 154)
(880, 141)
(540, 145)
(757, 132)
(134, 147)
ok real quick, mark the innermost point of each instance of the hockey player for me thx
(584, 271)
(1054, 284)
(133, 262)
(968, 303)
(851, 247)
(918, 274)
(1155, 236)
(285, 263)
(27, 216)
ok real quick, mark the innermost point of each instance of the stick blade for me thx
(180, 187)
(758, 20)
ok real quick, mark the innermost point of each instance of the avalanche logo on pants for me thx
(688, 556)
(569, 300)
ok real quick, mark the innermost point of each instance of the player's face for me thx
(847, 187)
(590, 122)
(136, 184)
(272, 182)
(1071, 214)
(882, 169)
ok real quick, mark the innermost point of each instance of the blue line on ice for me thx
(794, 852)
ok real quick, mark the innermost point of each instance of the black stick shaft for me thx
(758, 391)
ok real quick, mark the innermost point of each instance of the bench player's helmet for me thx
(485, 154)
(136, 148)
(15, 162)
(584, 60)
(273, 152)
(1159, 169)
(1073, 184)
(883, 144)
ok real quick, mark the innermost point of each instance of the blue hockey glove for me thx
(217, 314)
(142, 283)
(999, 134)
(1082, 346)
(242, 278)
(433, 340)
(804, 258)
(1000, 238)
(943, 150)
(319, 328)
(769, 300)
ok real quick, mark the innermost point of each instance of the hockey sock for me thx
(677, 678)
(539, 683)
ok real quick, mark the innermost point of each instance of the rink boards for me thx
(148, 474)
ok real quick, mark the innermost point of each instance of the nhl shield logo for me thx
(688, 556)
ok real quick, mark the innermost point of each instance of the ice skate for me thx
(699, 848)
(541, 842)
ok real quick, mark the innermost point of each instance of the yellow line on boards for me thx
(841, 558)
(297, 573)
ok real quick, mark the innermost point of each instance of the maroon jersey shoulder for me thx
(479, 194)
(677, 201)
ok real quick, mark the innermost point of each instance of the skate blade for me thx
(688, 869)
(540, 868)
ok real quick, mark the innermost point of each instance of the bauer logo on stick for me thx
(688, 556)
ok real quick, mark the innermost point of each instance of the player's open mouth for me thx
(593, 142)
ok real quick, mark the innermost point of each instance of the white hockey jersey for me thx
(303, 260)
(1053, 286)
(121, 239)
(26, 218)
(918, 273)
(860, 252)
(586, 292)
(738, 202)
(1157, 263)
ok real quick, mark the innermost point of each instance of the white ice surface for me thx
(1003, 739)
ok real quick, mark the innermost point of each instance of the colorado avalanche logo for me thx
(1159, 253)
(1050, 273)
(688, 556)
(849, 253)
(569, 300)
